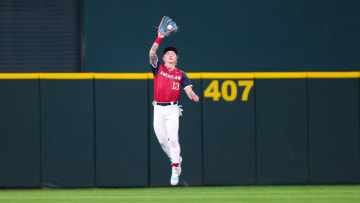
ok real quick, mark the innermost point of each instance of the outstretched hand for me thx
(166, 27)
(160, 35)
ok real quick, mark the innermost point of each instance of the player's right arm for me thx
(153, 58)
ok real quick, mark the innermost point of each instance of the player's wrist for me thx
(158, 40)
(193, 97)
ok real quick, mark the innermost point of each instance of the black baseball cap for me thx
(170, 49)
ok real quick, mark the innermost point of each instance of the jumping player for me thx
(167, 82)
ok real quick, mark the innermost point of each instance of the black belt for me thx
(165, 104)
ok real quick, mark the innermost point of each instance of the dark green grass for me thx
(252, 194)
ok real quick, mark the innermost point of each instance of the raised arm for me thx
(166, 27)
(153, 58)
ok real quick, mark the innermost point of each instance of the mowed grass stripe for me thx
(306, 194)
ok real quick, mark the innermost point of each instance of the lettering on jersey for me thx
(174, 77)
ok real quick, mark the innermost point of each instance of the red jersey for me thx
(167, 84)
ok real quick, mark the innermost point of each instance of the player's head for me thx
(170, 55)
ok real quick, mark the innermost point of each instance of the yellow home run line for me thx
(205, 75)
(19, 76)
(334, 75)
(69, 76)
(134, 76)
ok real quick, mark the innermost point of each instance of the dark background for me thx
(215, 36)
(98, 132)
(40, 36)
(225, 36)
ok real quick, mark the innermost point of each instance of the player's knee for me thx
(174, 142)
(163, 141)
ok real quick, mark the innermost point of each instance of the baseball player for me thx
(168, 80)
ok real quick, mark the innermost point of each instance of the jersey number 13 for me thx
(176, 86)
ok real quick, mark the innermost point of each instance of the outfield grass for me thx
(252, 194)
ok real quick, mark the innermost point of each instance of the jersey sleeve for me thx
(185, 81)
(155, 69)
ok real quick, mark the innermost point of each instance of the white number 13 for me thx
(176, 86)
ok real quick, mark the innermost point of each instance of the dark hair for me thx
(170, 49)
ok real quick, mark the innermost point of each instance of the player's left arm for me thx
(191, 94)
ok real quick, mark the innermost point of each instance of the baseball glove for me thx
(167, 26)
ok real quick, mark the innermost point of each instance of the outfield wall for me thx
(95, 130)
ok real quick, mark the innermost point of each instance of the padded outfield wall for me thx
(79, 130)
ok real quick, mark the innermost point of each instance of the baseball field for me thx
(252, 194)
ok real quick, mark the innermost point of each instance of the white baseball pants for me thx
(166, 126)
